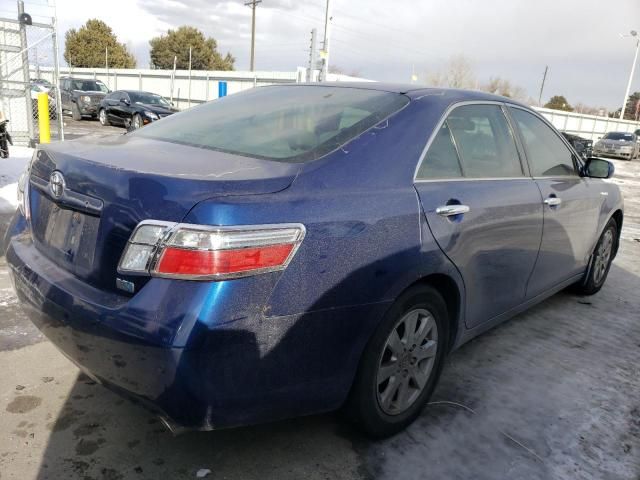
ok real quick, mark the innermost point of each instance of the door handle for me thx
(553, 201)
(450, 210)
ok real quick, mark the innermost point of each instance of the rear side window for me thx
(475, 141)
(548, 155)
(283, 123)
(485, 142)
(441, 160)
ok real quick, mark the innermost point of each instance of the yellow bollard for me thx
(43, 117)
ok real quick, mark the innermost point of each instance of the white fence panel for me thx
(586, 126)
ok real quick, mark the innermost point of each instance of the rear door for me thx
(571, 203)
(483, 208)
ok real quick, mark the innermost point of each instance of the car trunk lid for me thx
(111, 184)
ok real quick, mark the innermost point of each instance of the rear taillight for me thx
(200, 252)
(23, 189)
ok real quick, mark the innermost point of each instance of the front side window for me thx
(548, 155)
(485, 143)
(283, 123)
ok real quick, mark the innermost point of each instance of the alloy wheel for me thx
(603, 255)
(137, 121)
(407, 360)
(102, 116)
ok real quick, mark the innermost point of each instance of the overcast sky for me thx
(384, 40)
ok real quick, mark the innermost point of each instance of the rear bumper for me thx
(186, 359)
(121, 360)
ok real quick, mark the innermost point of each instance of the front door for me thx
(483, 209)
(571, 204)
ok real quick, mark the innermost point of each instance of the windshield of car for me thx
(619, 136)
(283, 123)
(148, 99)
(89, 86)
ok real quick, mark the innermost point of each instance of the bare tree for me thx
(589, 110)
(436, 79)
(501, 86)
(458, 73)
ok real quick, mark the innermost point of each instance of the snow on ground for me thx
(10, 170)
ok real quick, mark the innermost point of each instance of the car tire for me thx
(136, 121)
(600, 262)
(102, 116)
(75, 112)
(381, 406)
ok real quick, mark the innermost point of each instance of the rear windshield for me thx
(619, 136)
(283, 123)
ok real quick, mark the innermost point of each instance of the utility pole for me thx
(173, 76)
(632, 34)
(106, 64)
(253, 4)
(312, 56)
(56, 72)
(324, 54)
(189, 77)
(544, 78)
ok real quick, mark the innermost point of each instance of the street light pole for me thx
(633, 33)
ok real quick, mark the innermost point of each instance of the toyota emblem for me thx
(56, 184)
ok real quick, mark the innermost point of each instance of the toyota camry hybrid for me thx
(296, 249)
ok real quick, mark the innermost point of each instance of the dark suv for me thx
(81, 96)
(583, 146)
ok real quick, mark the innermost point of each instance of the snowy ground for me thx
(10, 170)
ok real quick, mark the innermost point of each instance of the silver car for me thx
(617, 144)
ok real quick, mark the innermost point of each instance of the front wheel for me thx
(102, 116)
(136, 121)
(600, 262)
(401, 364)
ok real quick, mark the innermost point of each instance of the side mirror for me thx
(124, 101)
(598, 168)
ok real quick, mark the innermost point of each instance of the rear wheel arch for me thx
(452, 296)
(450, 292)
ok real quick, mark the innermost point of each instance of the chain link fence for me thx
(43, 77)
(14, 83)
(24, 50)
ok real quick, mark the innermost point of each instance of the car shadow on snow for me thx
(526, 400)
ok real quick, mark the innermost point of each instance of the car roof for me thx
(139, 91)
(413, 90)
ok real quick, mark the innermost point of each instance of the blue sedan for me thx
(297, 249)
